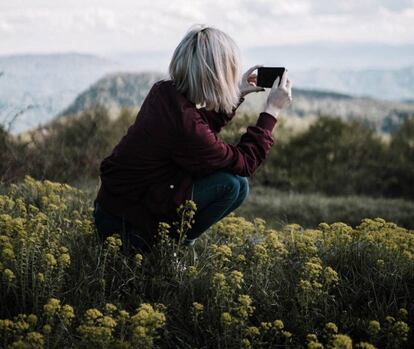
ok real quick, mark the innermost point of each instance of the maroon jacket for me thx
(172, 143)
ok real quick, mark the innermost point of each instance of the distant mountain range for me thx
(36, 88)
(115, 91)
(396, 84)
(44, 84)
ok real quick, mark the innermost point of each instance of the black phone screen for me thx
(267, 75)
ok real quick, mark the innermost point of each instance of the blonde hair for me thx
(205, 67)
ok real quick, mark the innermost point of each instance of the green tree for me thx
(400, 165)
(332, 156)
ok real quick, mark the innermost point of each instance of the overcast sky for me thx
(129, 25)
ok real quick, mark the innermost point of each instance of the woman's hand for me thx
(249, 81)
(280, 96)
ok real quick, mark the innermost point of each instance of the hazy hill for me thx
(114, 91)
(128, 90)
(388, 84)
(44, 85)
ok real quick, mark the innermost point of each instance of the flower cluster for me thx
(251, 286)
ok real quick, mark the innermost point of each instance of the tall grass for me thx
(279, 208)
(244, 285)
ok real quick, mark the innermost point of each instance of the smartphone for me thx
(266, 76)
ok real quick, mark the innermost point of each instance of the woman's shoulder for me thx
(163, 83)
(162, 88)
(166, 89)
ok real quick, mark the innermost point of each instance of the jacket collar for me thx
(171, 85)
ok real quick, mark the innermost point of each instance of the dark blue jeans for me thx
(215, 196)
(108, 224)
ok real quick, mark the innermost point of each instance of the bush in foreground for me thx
(330, 287)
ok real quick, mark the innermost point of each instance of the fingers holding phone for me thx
(280, 95)
(248, 82)
(286, 84)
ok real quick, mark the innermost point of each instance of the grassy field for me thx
(244, 285)
(281, 208)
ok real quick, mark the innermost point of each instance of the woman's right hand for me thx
(280, 96)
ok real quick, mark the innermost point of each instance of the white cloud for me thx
(52, 25)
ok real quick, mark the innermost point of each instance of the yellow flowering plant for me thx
(251, 285)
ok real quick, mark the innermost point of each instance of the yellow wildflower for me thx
(50, 260)
(67, 314)
(403, 313)
(224, 251)
(278, 325)
(107, 321)
(389, 319)
(147, 316)
(198, 307)
(8, 254)
(260, 253)
(32, 319)
(401, 329)
(47, 329)
(35, 339)
(196, 310)
(138, 259)
(114, 242)
(8, 275)
(246, 343)
(373, 327)
(64, 260)
(252, 331)
(63, 249)
(266, 325)
(140, 331)
(286, 334)
(40, 277)
(21, 325)
(93, 314)
(330, 327)
(110, 308)
(51, 307)
(323, 226)
(123, 315)
(219, 280)
(341, 341)
(226, 318)
(6, 325)
(315, 345)
(192, 271)
(245, 309)
(330, 275)
(236, 278)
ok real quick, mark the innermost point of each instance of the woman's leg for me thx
(108, 224)
(243, 193)
(216, 196)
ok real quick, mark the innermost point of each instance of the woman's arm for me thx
(217, 120)
(200, 152)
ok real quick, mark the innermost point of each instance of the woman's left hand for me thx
(249, 81)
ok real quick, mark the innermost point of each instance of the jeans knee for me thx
(232, 184)
(244, 187)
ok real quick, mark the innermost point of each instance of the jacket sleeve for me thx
(217, 120)
(200, 152)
